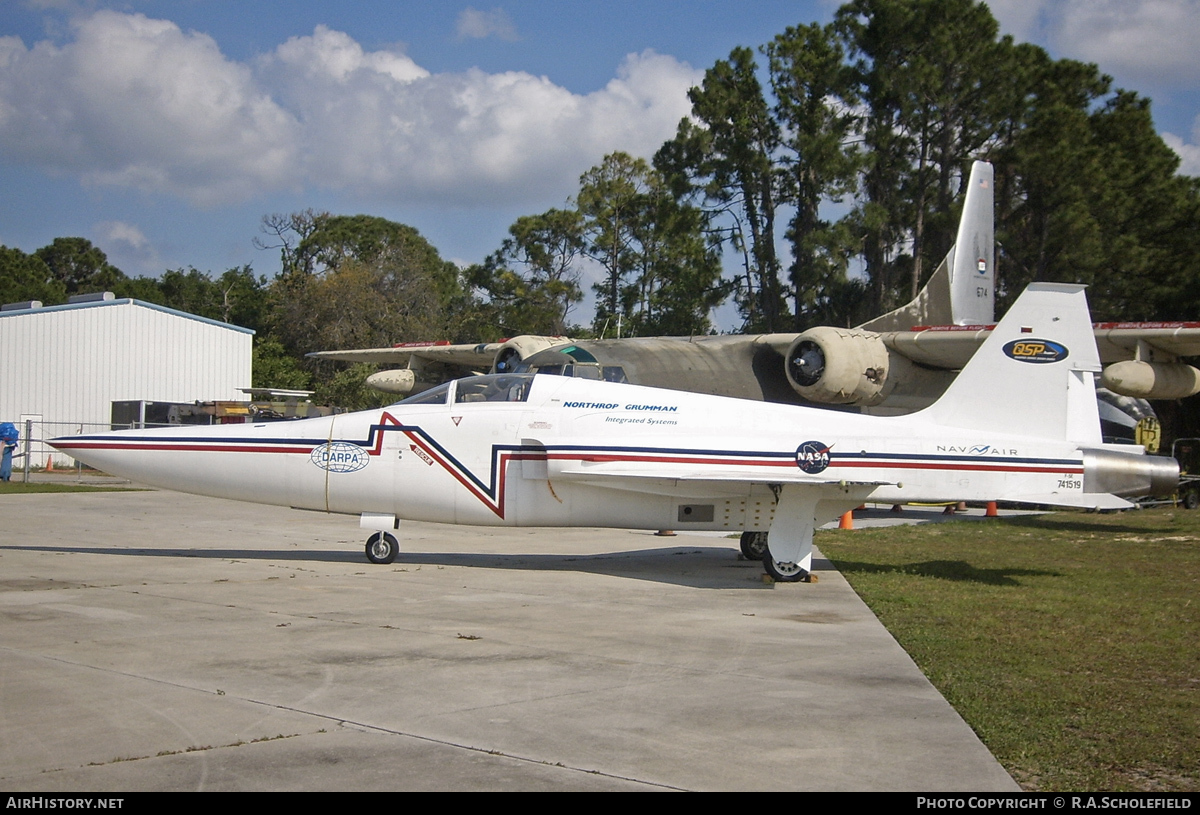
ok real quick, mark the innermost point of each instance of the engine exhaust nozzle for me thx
(1129, 474)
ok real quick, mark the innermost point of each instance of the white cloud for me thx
(136, 102)
(127, 246)
(474, 24)
(330, 54)
(1150, 41)
(120, 232)
(1189, 154)
(1153, 40)
(472, 136)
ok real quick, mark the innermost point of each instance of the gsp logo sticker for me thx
(340, 457)
(1036, 351)
(812, 457)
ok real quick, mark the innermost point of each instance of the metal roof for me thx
(124, 301)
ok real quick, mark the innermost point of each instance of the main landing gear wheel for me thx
(382, 547)
(783, 572)
(754, 545)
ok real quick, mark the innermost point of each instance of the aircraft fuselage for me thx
(578, 453)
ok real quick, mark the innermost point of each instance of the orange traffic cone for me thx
(847, 521)
(991, 510)
(49, 464)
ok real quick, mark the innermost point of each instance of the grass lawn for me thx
(1070, 642)
(20, 488)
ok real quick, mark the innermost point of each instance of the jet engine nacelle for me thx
(838, 366)
(513, 351)
(1151, 380)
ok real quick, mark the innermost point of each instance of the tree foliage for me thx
(358, 281)
(727, 156)
(79, 266)
(27, 277)
(661, 273)
(531, 283)
(659, 268)
(808, 70)
(1096, 199)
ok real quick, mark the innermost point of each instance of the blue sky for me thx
(164, 131)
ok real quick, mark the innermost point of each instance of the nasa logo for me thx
(340, 457)
(1036, 351)
(812, 457)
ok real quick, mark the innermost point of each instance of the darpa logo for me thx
(812, 457)
(340, 457)
(1036, 351)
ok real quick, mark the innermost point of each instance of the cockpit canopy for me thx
(571, 360)
(487, 388)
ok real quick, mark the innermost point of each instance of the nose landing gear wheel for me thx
(382, 547)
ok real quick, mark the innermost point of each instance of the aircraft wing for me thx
(708, 476)
(477, 355)
(950, 346)
(683, 484)
(946, 347)
(634, 475)
(1120, 341)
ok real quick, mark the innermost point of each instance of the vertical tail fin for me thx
(961, 291)
(972, 257)
(1035, 374)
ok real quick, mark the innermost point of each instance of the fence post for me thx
(28, 450)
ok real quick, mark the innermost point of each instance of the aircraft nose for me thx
(94, 451)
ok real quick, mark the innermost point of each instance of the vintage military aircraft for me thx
(1019, 423)
(902, 360)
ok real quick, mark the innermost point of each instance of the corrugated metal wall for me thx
(69, 363)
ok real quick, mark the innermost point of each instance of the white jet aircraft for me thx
(1018, 424)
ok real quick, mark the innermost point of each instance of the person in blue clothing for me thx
(8, 438)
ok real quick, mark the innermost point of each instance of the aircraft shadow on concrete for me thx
(703, 567)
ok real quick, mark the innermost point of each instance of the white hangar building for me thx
(64, 366)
